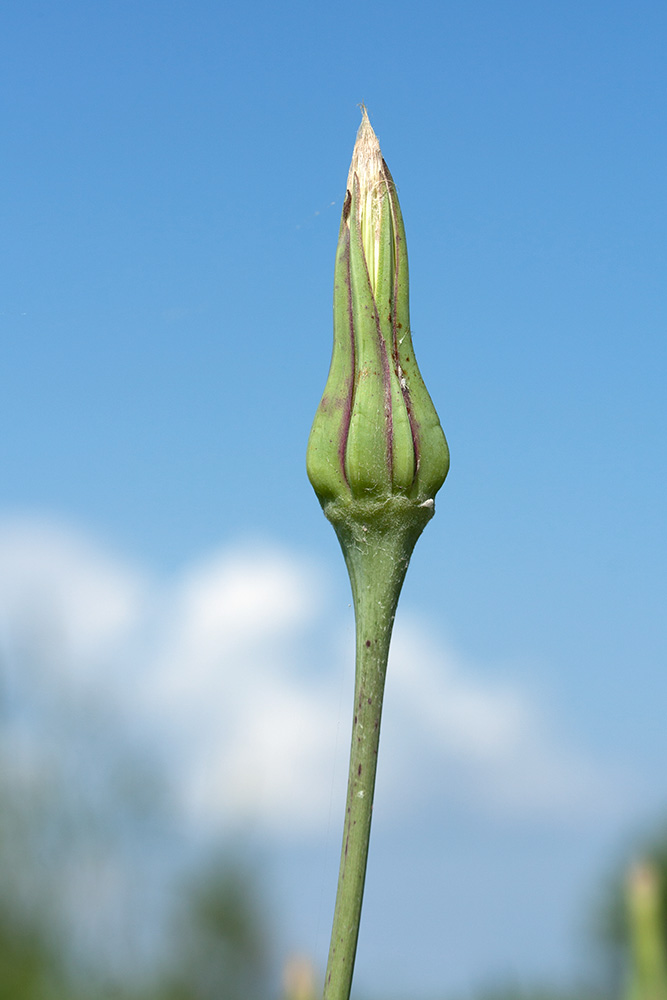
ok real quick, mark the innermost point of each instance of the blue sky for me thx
(172, 181)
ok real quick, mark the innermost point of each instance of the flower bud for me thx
(376, 432)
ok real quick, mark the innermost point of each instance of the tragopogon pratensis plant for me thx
(648, 960)
(376, 458)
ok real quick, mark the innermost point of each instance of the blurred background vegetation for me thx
(76, 840)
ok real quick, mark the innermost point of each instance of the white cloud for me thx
(213, 667)
(242, 594)
(490, 742)
(57, 583)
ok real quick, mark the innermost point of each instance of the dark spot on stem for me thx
(359, 769)
(368, 643)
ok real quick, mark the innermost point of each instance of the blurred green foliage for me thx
(222, 950)
(28, 966)
(87, 840)
(632, 922)
(615, 915)
(76, 805)
(537, 994)
(218, 952)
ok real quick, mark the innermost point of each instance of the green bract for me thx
(376, 432)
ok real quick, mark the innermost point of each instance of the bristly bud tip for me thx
(367, 170)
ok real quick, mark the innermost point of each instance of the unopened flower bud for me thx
(376, 432)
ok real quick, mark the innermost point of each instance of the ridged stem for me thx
(377, 539)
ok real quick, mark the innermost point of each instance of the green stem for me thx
(649, 961)
(377, 542)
